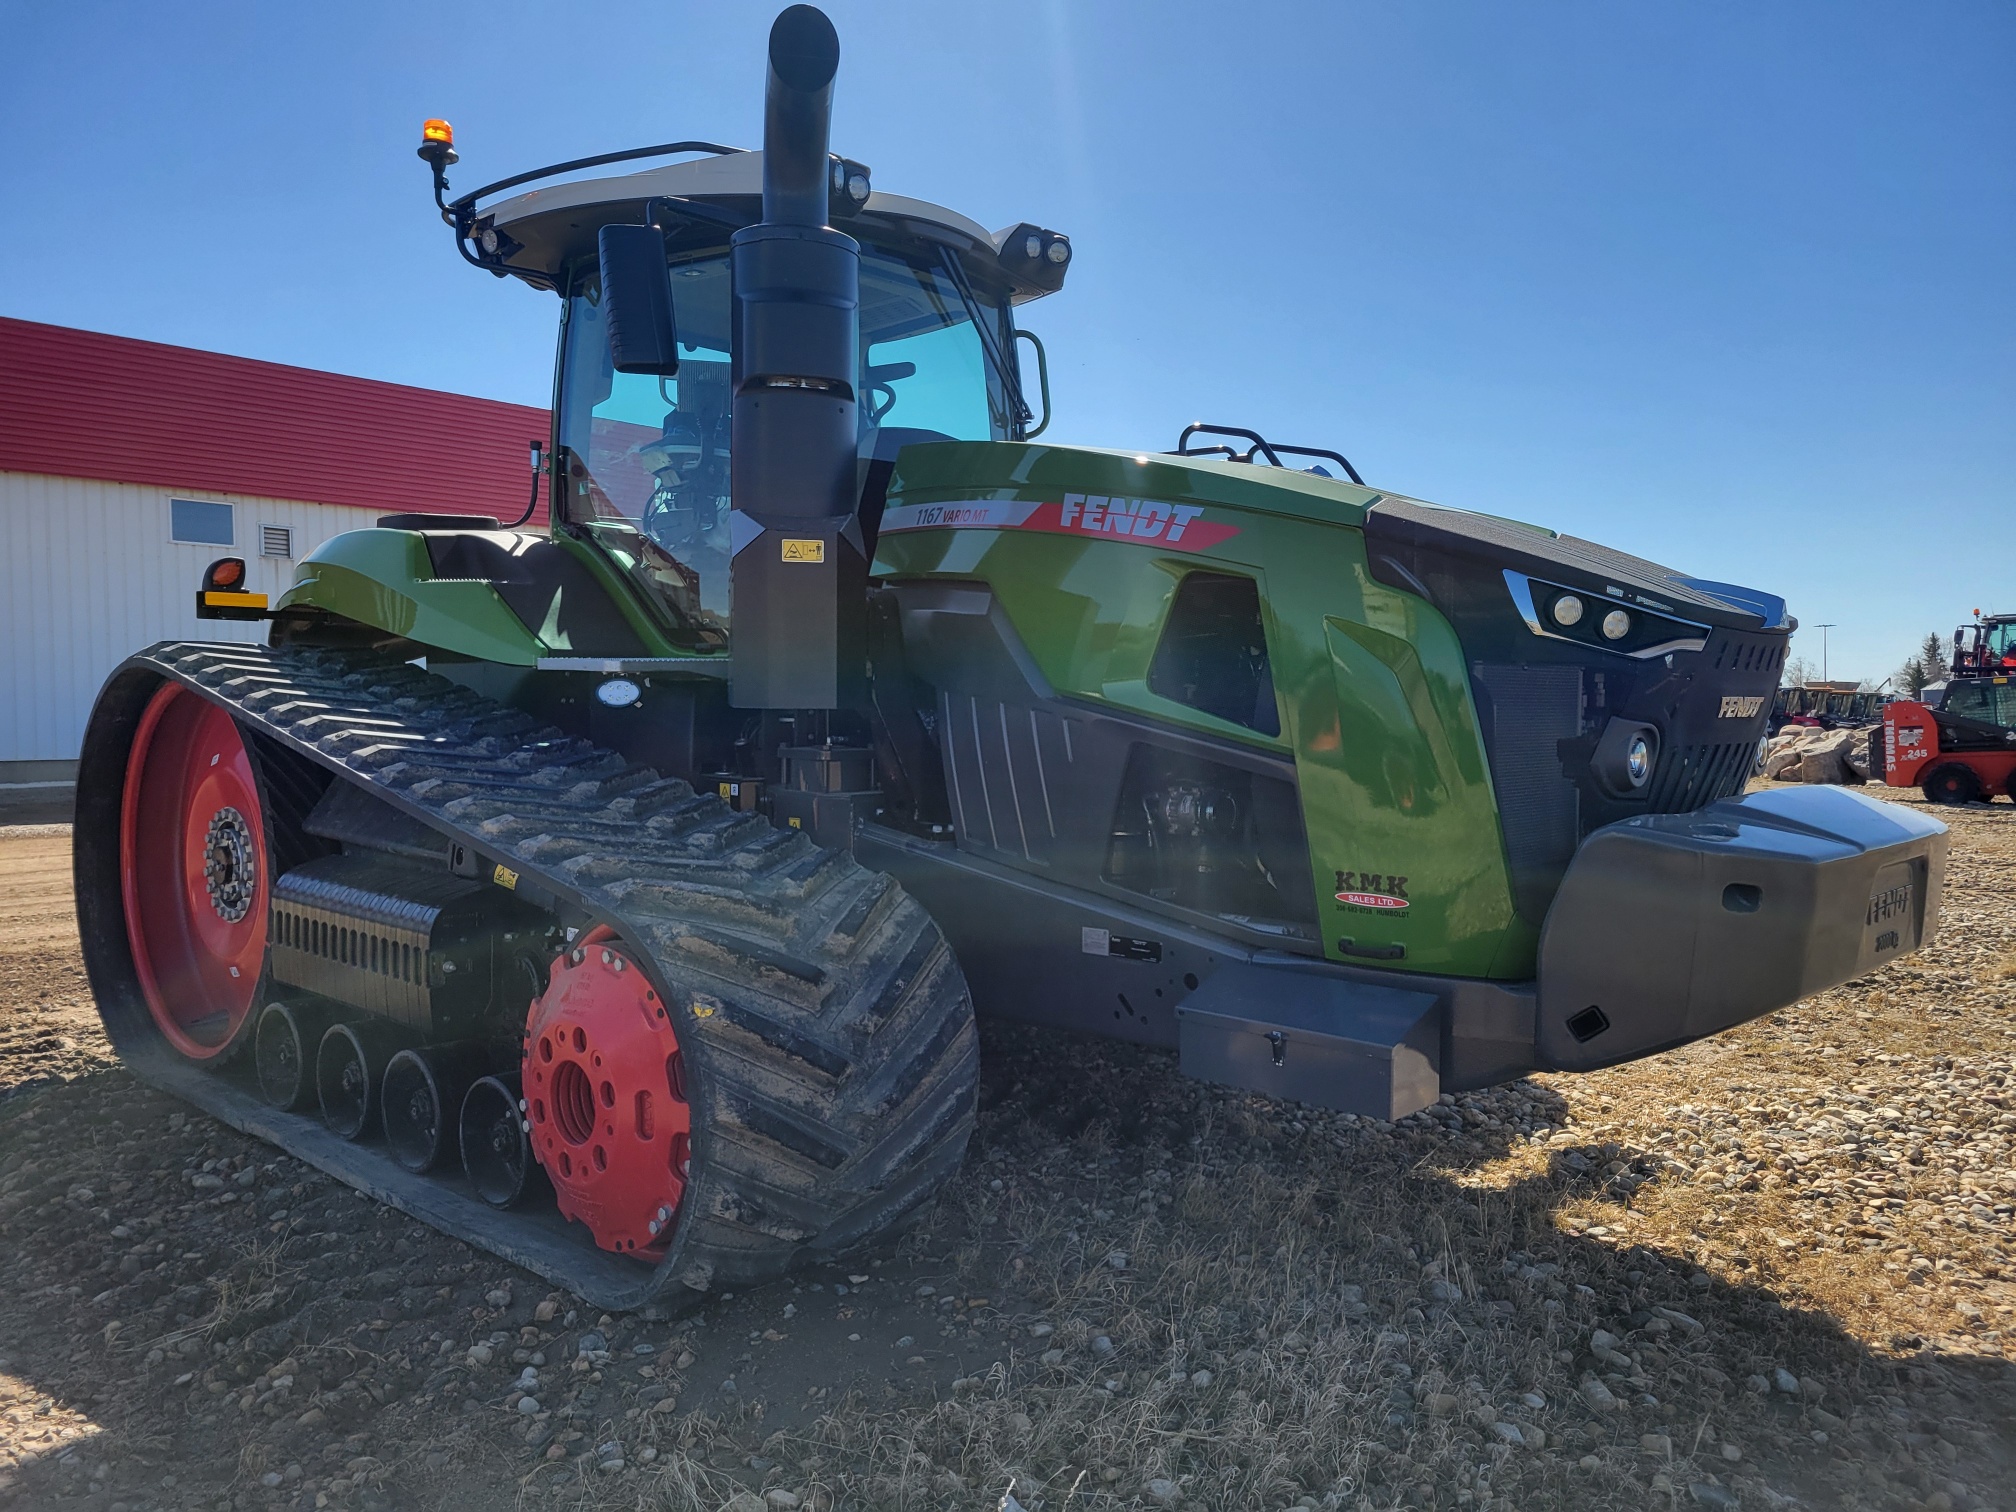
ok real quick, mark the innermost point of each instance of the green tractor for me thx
(620, 895)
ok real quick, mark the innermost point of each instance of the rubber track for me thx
(832, 1059)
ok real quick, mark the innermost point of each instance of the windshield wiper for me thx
(1011, 379)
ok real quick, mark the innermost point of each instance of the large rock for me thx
(1781, 760)
(1821, 762)
(1805, 754)
(1782, 754)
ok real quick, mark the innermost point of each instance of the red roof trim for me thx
(81, 404)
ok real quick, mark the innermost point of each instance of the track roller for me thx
(421, 1097)
(283, 1054)
(349, 1067)
(496, 1154)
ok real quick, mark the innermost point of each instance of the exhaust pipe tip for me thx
(798, 116)
(804, 48)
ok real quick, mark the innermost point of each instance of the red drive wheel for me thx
(605, 1092)
(194, 874)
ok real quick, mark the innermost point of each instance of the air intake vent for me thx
(276, 540)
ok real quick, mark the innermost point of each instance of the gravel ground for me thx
(1775, 1269)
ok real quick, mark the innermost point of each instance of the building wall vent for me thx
(276, 540)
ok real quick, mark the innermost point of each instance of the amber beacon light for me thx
(437, 143)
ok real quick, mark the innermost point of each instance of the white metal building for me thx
(126, 467)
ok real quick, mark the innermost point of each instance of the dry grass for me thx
(1815, 1193)
(1297, 1308)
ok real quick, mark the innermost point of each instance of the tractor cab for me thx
(645, 457)
(1986, 647)
(1989, 700)
(642, 459)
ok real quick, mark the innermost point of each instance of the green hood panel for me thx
(384, 578)
(1370, 681)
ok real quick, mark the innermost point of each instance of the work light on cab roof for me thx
(664, 853)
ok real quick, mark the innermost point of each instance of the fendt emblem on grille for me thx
(1741, 708)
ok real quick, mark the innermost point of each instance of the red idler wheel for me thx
(194, 872)
(605, 1095)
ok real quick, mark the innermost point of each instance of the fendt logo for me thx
(1890, 903)
(1380, 891)
(1741, 708)
(1137, 522)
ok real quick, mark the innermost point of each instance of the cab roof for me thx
(557, 223)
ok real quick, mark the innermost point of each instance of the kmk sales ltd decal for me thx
(1381, 892)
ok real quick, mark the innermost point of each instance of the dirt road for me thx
(1775, 1269)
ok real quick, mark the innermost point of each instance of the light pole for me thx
(1823, 629)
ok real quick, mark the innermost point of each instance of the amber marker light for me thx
(223, 594)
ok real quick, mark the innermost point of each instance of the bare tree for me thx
(1799, 672)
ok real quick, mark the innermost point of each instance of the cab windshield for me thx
(647, 458)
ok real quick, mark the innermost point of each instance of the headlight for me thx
(1567, 610)
(618, 692)
(1616, 625)
(1638, 760)
(1626, 753)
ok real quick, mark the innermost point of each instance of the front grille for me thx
(1541, 723)
(1734, 652)
(1689, 777)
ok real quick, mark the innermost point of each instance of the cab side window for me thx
(1213, 652)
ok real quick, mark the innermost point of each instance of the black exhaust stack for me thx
(800, 576)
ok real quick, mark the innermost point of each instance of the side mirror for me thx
(637, 300)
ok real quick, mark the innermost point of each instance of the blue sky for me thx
(1726, 285)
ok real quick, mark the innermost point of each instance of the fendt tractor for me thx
(1957, 740)
(620, 894)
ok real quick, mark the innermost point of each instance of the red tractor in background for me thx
(1986, 648)
(1958, 741)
